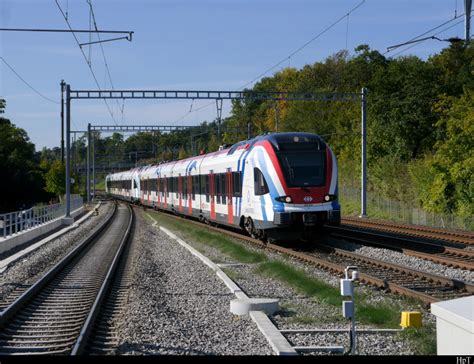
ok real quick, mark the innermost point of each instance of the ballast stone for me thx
(242, 306)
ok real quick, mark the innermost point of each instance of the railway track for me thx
(57, 314)
(402, 280)
(458, 237)
(435, 252)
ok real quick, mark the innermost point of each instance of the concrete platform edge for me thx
(7, 261)
(277, 341)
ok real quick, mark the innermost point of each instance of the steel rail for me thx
(84, 335)
(445, 255)
(16, 305)
(364, 277)
(455, 236)
(71, 302)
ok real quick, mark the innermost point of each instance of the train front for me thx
(307, 169)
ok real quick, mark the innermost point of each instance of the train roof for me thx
(278, 140)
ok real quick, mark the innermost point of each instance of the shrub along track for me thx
(57, 314)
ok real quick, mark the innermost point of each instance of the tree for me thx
(21, 183)
(56, 180)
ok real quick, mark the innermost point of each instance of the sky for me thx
(187, 45)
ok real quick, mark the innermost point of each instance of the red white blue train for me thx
(274, 186)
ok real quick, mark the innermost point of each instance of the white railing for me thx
(15, 222)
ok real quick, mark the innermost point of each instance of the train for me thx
(275, 186)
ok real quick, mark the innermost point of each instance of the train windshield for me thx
(303, 166)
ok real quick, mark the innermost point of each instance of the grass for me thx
(424, 339)
(381, 315)
(299, 280)
(202, 235)
(351, 207)
(232, 274)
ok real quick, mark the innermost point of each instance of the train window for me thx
(217, 188)
(195, 186)
(203, 184)
(303, 169)
(184, 184)
(207, 187)
(223, 189)
(236, 184)
(260, 185)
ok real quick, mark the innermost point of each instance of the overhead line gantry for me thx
(218, 96)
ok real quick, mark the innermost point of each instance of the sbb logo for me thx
(308, 199)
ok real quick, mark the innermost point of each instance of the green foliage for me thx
(56, 179)
(380, 314)
(419, 125)
(21, 183)
(301, 281)
(423, 338)
(204, 236)
(444, 180)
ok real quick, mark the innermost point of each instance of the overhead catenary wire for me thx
(288, 57)
(304, 45)
(103, 52)
(429, 31)
(85, 58)
(421, 41)
(27, 83)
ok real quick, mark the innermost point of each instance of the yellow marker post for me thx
(411, 319)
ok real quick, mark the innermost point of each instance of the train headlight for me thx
(328, 198)
(286, 199)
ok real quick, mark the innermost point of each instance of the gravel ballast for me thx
(28, 269)
(178, 306)
(302, 312)
(391, 256)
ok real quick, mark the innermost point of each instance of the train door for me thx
(180, 192)
(148, 190)
(135, 188)
(165, 191)
(212, 194)
(229, 189)
(190, 194)
(158, 192)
